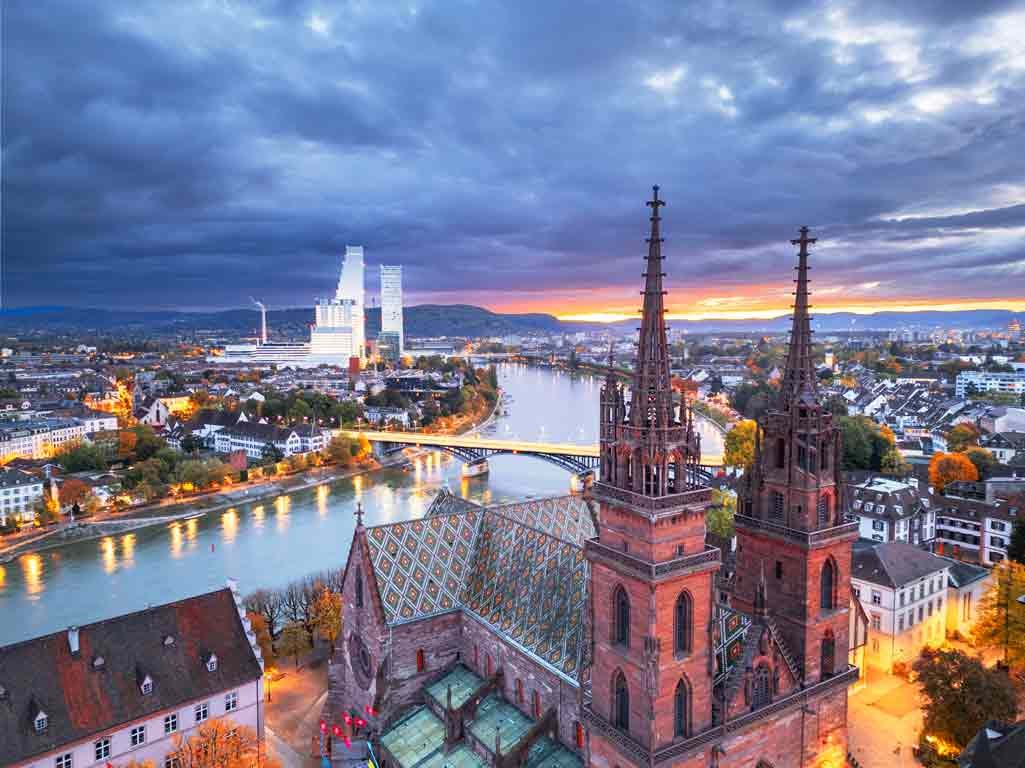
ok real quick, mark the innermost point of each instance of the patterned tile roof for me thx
(447, 503)
(566, 517)
(421, 565)
(531, 587)
(731, 629)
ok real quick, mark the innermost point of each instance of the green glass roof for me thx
(415, 737)
(463, 757)
(546, 753)
(463, 682)
(495, 713)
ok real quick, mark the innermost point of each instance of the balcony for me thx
(709, 557)
(695, 498)
(848, 529)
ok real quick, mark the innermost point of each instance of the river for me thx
(269, 543)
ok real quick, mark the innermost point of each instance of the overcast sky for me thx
(192, 154)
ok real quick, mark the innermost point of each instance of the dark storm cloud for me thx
(195, 153)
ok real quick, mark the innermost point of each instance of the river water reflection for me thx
(272, 542)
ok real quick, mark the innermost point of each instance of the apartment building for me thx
(129, 687)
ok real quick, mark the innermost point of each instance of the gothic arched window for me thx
(681, 718)
(682, 620)
(761, 693)
(828, 662)
(620, 702)
(827, 586)
(781, 453)
(823, 511)
(621, 612)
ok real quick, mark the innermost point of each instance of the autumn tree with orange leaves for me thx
(946, 468)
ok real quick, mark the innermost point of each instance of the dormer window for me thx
(147, 686)
(211, 663)
(41, 722)
(168, 639)
(99, 662)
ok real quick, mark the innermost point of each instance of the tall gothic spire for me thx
(651, 401)
(799, 377)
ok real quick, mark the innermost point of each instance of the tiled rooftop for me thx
(463, 683)
(461, 757)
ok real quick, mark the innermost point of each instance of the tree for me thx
(44, 513)
(272, 454)
(984, 461)
(857, 446)
(946, 468)
(893, 464)
(147, 442)
(1001, 620)
(339, 450)
(740, 444)
(1016, 547)
(220, 743)
(294, 641)
(720, 515)
(961, 695)
(327, 615)
(263, 638)
(82, 458)
(961, 436)
(73, 491)
(267, 604)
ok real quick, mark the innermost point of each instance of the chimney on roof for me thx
(73, 640)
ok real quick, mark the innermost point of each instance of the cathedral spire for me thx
(651, 400)
(799, 377)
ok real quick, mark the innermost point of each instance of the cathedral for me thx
(602, 629)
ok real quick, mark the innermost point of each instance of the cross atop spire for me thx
(651, 400)
(359, 514)
(799, 377)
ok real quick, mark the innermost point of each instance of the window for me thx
(680, 711)
(202, 711)
(41, 722)
(359, 588)
(828, 660)
(776, 511)
(779, 569)
(536, 705)
(101, 749)
(63, 761)
(966, 606)
(900, 623)
(781, 453)
(921, 612)
(682, 624)
(621, 625)
(876, 621)
(231, 701)
(172, 761)
(138, 735)
(519, 691)
(878, 525)
(823, 510)
(761, 693)
(903, 598)
(930, 607)
(487, 665)
(827, 583)
(211, 663)
(421, 662)
(170, 724)
(621, 702)
(147, 687)
(877, 597)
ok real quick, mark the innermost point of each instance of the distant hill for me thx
(444, 320)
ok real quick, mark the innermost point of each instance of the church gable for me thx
(568, 518)
(764, 672)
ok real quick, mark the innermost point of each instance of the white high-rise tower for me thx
(350, 288)
(391, 308)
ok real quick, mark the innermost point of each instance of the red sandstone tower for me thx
(651, 572)
(789, 522)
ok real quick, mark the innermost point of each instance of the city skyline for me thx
(257, 140)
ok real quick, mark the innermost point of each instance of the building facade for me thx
(969, 382)
(891, 510)
(129, 687)
(391, 311)
(19, 493)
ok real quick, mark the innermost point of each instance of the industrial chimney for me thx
(263, 319)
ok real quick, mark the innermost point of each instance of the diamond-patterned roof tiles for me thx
(520, 568)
